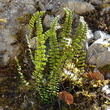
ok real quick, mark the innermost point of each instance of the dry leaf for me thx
(67, 97)
(96, 75)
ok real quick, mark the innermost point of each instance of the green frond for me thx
(32, 22)
(40, 50)
(31, 25)
(21, 74)
(54, 56)
(54, 47)
(78, 45)
(67, 28)
(64, 39)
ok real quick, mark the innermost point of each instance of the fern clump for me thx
(46, 83)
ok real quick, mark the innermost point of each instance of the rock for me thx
(6, 49)
(103, 59)
(89, 38)
(54, 6)
(33, 42)
(99, 50)
(98, 35)
(106, 88)
(1, 108)
(90, 35)
(84, 6)
(12, 11)
(48, 20)
(57, 6)
(42, 4)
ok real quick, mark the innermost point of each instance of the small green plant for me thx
(46, 83)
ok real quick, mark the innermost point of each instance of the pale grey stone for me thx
(99, 51)
(56, 6)
(84, 6)
(98, 34)
(43, 4)
(106, 88)
(33, 42)
(48, 20)
(30, 2)
(6, 48)
(11, 11)
(1, 108)
(90, 35)
(103, 59)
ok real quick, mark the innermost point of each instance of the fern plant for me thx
(78, 45)
(47, 84)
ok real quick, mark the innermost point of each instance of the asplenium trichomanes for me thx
(47, 84)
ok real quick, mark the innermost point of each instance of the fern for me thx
(21, 74)
(48, 84)
(54, 48)
(67, 28)
(40, 58)
(64, 39)
(53, 57)
(78, 45)
(34, 18)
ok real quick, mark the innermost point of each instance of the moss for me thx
(24, 19)
(1, 11)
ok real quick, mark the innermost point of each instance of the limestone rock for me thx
(14, 9)
(57, 6)
(98, 35)
(1, 108)
(99, 51)
(33, 42)
(106, 88)
(48, 20)
(11, 10)
(103, 59)
(84, 6)
(6, 49)
(89, 38)
(42, 4)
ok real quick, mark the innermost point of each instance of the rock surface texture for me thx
(99, 50)
(11, 11)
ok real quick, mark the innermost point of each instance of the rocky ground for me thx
(14, 28)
